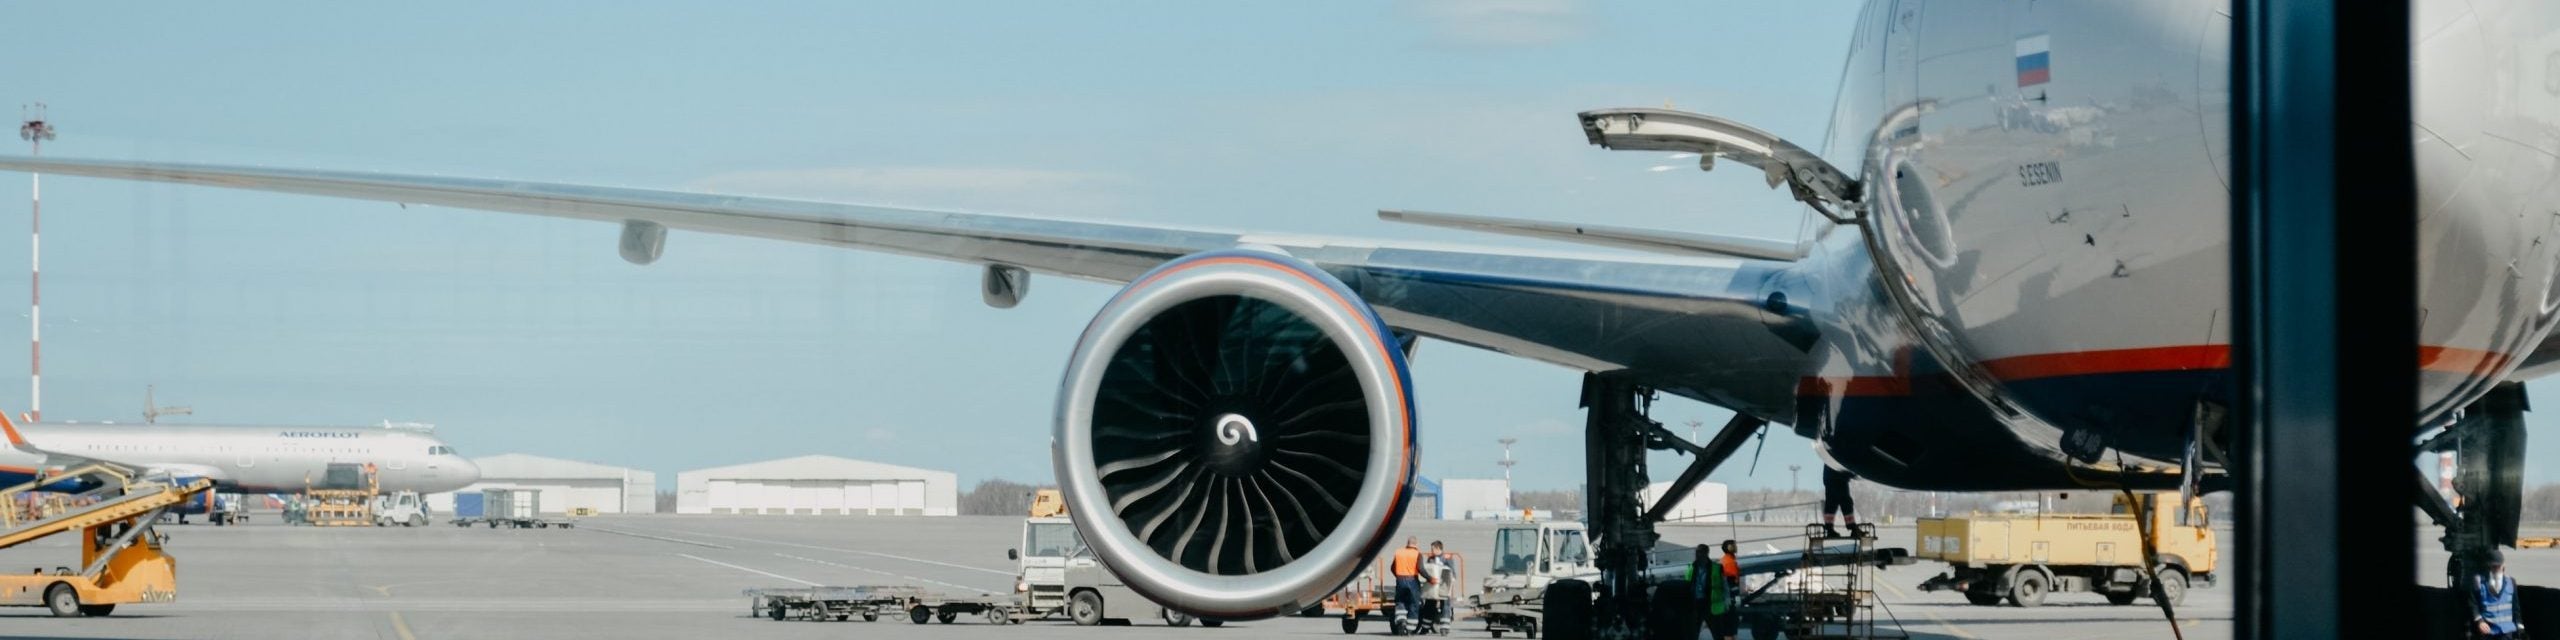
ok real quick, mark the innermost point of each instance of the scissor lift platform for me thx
(120, 557)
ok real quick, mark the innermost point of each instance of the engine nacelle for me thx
(1235, 434)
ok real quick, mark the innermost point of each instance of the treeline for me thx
(2542, 504)
(999, 497)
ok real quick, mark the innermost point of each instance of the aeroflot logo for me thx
(318, 434)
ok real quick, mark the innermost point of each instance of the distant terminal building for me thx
(564, 484)
(1706, 503)
(1425, 501)
(818, 485)
(1475, 499)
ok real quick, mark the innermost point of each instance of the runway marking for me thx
(1933, 616)
(885, 573)
(767, 574)
(401, 627)
(857, 551)
(636, 534)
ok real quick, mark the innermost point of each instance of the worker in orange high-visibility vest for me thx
(1407, 569)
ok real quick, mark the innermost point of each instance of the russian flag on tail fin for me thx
(2035, 60)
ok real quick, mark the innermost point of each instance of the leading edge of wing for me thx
(1702, 326)
(1099, 251)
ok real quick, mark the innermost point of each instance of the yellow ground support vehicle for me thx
(2020, 559)
(342, 497)
(120, 556)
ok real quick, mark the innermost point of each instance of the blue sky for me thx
(516, 334)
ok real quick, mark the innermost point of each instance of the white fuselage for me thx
(256, 459)
(2050, 189)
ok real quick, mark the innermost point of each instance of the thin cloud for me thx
(1503, 23)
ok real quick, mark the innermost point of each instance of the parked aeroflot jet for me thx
(2019, 281)
(245, 459)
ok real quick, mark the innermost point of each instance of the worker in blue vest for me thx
(2493, 601)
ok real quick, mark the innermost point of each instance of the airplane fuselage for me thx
(253, 459)
(2044, 276)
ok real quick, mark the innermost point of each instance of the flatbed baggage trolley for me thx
(870, 603)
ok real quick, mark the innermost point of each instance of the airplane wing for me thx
(1699, 326)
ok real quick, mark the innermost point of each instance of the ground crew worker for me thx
(1732, 567)
(1435, 585)
(1714, 596)
(2493, 601)
(1836, 502)
(1407, 568)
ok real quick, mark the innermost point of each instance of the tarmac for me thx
(682, 576)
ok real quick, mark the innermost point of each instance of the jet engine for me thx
(1235, 434)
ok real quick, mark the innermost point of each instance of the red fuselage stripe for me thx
(2148, 359)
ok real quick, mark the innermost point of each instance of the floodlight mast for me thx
(35, 130)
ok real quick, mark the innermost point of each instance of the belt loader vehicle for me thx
(121, 559)
(2020, 559)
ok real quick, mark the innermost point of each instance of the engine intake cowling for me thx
(1235, 434)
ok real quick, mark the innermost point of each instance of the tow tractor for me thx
(1812, 593)
(121, 560)
(1058, 575)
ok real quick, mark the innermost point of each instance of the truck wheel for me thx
(62, 600)
(2173, 583)
(946, 617)
(774, 611)
(1350, 623)
(2028, 588)
(1174, 618)
(919, 615)
(2121, 598)
(1085, 608)
(1529, 629)
(97, 610)
(870, 616)
(1764, 627)
(1568, 610)
(417, 520)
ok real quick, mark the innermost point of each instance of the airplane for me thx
(248, 459)
(2017, 279)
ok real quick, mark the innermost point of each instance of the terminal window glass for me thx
(1513, 549)
(1054, 540)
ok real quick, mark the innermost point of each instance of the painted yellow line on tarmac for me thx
(401, 627)
(1933, 617)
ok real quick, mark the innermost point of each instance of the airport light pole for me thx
(35, 130)
(1507, 462)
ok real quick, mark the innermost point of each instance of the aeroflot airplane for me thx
(2019, 281)
(248, 459)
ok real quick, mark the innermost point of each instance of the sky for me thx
(519, 334)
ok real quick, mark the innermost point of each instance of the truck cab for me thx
(1048, 546)
(1533, 554)
(1057, 574)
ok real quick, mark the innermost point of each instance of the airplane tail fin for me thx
(16, 441)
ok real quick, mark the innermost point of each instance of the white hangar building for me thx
(564, 484)
(818, 485)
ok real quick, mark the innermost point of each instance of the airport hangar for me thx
(818, 485)
(563, 484)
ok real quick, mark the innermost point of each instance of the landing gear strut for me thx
(2488, 448)
(1616, 434)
